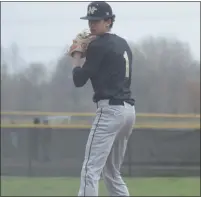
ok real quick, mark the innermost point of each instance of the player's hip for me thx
(115, 109)
(113, 119)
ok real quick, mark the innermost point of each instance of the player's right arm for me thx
(94, 56)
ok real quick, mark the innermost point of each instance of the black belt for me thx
(119, 102)
(116, 102)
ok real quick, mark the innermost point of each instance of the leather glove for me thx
(80, 43)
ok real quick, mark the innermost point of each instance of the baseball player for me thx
(107, 65)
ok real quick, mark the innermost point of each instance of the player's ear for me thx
(108, 22)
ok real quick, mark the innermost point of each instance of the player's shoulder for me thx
(116, 37)
(108, 39)
(120, 37)
(98, 42)
(120, 41)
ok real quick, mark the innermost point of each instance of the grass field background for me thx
(22, 186)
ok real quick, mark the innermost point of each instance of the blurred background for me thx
(37, 88)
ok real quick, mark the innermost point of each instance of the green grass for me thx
(14, 186)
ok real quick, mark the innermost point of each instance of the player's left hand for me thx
(80, 43)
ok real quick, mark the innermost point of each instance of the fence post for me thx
(32, 145)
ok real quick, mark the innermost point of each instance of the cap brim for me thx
(91, 18)
(94, 18)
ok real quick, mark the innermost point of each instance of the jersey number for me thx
(127, 64)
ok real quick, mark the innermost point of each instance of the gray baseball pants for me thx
(106, 148)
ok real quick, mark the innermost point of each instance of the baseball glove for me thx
(80, 43)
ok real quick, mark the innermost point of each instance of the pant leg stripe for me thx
(90, 152)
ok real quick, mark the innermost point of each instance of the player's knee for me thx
(111, 175)
(91, 178)
(90, 175)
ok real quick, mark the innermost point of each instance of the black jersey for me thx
(109, 66)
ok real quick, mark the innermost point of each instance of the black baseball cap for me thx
(98, 10)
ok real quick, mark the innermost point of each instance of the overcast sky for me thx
(43, 29)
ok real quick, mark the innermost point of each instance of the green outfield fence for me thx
(161, 144)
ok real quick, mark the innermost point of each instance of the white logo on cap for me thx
(91, 10)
